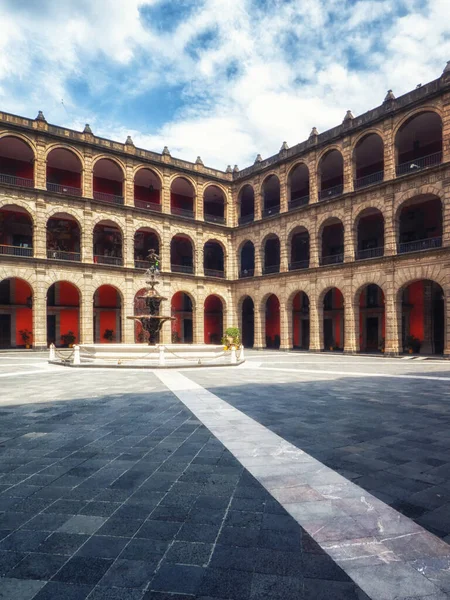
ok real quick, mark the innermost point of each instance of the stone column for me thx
(349, 246)
(284, 252)
(393, 311)
(199, 317)
(313, 179)
(128, 184)
(446, 214)
(259, 201)
(40, 231)
(258, 259)
(259, 327)
(389, 150)
(198, 201)
(285, 317)
(40, 310)
(390, 234)
(165, 193)
(40, 164)
(351, 343)
(87, 311)
(128, 325)
(87, 236)
(128, 242)
(88, 177)
(313, 246)
(283, 189)
(348, 165)
(315, 325)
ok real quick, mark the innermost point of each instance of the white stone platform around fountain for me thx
(143, 356)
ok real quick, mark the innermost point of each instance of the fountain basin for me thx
(143, 356)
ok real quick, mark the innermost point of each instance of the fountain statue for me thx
(152, 321)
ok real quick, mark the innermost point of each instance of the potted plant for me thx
(68, 339)
(232, 338)
(381, 345)
(109, 335)
(141, 336)
(175, 337)
(25, 334)
(412, 344)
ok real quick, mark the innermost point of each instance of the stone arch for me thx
(423, 190)
(113, 315)
(405, 117)
(186, 176)
(24, 138)
(114, 159)
(326, 151)
(68, 211)
(72, 278)
(365, 133)
(22, 204)
(152, 168)
(185, 235)
(112, 219)
(69, 148)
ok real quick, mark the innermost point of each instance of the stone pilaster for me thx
(128, 184)
(313, 180)
(393, 307)
(315, 325)
(447, 322)
(40, 310)
(427, 346)
(260, 327)
(128, 242)
(198, 201)
(40, 164)
(314, 242)
(389, 150)
(259, 202)
(446, 214)
(349, 246)
(165, 193)
(199, 317)
(446, 127)
(87, 311)
(390, 233)
(285, 317)
(40, 232)
(348, 165)
(128, 325)
(351, 340)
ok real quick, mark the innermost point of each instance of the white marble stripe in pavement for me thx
(388, 555)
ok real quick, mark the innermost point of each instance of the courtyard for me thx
(293, 476)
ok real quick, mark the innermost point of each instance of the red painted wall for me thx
(107, 186)
(272, 317)
(68, 321)
(176, 305)
(63, 177)
(296, 306)
(416, 298)
(68, 294)
(108, 321)
(108, 296)
(24, 320)
(19, 168)
(179, 201)
(213, 320)
(143, 193)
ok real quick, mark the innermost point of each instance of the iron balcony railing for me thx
(214, 219)
(331, 192)
(140, 264)
(13, 180)
(246, 219)
(63, 255)
(369, 253)
(63, 189)
(246, 273)
(214, 273)
(362, 182)
(271, 269)
(148, 205)
(419, 163)
(273, 210)
(332, 259)
(299, 264)
(296, 202)
(111, 198)
(417, 245)
(182, 212)
(108, 260)
(182, 269)
(15, 250)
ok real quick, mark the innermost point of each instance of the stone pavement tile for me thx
(278, 562)
(158, 530)
(179, 579)
(99, 509)
(66, 507)
(417, 546)
(289, 540)
(144, 549)
(56, 590)
(23, 541)
(320, 566)
(51, 492)
(192, 532)
(19, 589)
(45, 522)
(8, 560)
(276, 588)
(62, 543)
(167, 596)
(316, 589)
(239, 559)
(13, 520)
(436, 570)
(120, 527)
(82, 524)
(173, 513)
(241, 536)
(110, 495)
(238, 518)
(219, 583)
(37, 566)
(189, 553)
(184, 500)
(83, 570)
(101, 546)
(129, 573)
(108, 593)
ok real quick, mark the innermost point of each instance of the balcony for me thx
(111, 198)
(298, 265)
(108, 260)
(63, 189)
(269, 212)
(419, 163)
(296, 202)
(214, 219)
(15, 251)
(148, 205)
(63, 255)
(214, 273)
(369, 253)
(189, 269)
(19, 181)
(140, 264)
(243, 220)
(372, 179)
(418, 245)
(333, 259)
(331, 192)
(271, 269)
(182, 212)
(246, 273)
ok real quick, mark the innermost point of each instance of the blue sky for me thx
(223, 79)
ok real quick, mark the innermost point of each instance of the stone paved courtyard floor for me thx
(112, 486)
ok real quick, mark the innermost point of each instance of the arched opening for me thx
(420, 224)
(145, 239)
(16, 231)
(272, 255)
(108, 181)
(64, 172)
(107, 315)
(63, 238)
(108, 244)
(247, 260)
(418, 143)
(16, 313)
(298, 183)
(246, 205)
(183, 326)
(248, 322)
(182, 196)
(333, 320)
(147, 190)
(332, 242)
(300, 321)
(368, 161)
(423, 320)
(63, 315)
(16, 162)
(299, 250)
(370, 234)
(372, 319)
(272, 322)
(214, 205)
(271, 196)
(331, 175)
(181, 255)
(213, 259)
(213, 320)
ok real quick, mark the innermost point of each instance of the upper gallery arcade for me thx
(361, 205)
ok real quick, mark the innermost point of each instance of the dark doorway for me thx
(305, 334)
(51, 329)
(328, 333)
(438, 323)
(187, 331)
(5, 331)
(248, 323)
(372, 338)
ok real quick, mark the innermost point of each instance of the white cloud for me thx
(297, 64)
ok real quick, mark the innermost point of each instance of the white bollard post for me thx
(233, 356)
(52, 354)
(241, 355)
(162, 357)
(76, 355)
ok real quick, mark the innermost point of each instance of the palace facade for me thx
(341, 242)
